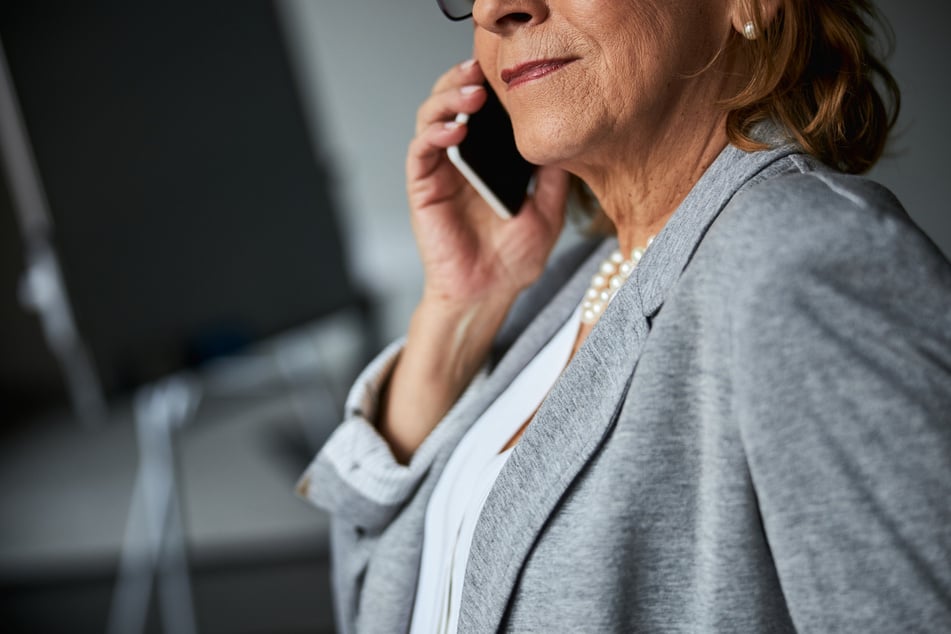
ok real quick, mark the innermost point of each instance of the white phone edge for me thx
(455, 156)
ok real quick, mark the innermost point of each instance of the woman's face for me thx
(585, 79)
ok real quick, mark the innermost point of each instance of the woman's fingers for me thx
(427, 152)
(445, 105)
(468, 72)
(458, 90)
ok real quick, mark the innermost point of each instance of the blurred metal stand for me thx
(154, 545)
(42, 289)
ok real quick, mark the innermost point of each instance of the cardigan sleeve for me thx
(355, 476)
(842, 361)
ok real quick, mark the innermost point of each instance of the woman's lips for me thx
(533, 70)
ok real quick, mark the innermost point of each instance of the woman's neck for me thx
(639, 191)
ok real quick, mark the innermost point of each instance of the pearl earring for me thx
(749, 31)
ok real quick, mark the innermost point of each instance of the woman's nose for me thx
(504, 16)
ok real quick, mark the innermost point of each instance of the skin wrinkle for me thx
(663, 528)
(617, 135)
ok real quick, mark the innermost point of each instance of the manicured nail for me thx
(471, 89)
(466, 65)
(451, 125)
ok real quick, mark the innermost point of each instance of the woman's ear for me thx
(749, 22)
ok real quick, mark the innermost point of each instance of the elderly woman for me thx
(747, 431)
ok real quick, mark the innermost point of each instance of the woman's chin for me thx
(558, 143)
(544, 151)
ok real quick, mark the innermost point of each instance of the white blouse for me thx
(464, 485)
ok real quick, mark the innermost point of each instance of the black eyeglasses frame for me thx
(446, 11)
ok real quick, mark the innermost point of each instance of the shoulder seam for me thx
(807, 169)
(836, 188)
(803, 165)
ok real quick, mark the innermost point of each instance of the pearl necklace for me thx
(611, 275)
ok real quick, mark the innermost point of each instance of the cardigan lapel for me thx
(583, 406)
(537, 334)
(541, 328)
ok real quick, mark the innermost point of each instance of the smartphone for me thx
(489, 160)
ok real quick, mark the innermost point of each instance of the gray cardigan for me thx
(756, 436)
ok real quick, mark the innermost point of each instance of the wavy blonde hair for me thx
(817, 70)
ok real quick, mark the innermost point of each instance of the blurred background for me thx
(220, 198)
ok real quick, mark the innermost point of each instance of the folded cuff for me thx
(355, 475)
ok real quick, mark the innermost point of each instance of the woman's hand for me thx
(475, 264)
(466, 249)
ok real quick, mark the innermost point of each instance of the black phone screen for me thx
(489, 149)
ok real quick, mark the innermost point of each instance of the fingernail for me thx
(451, 125)
(466, 65)
(468, 90)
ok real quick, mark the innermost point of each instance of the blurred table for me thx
(257, 553)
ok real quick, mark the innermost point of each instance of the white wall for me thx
(917, 166)
(365, 66)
